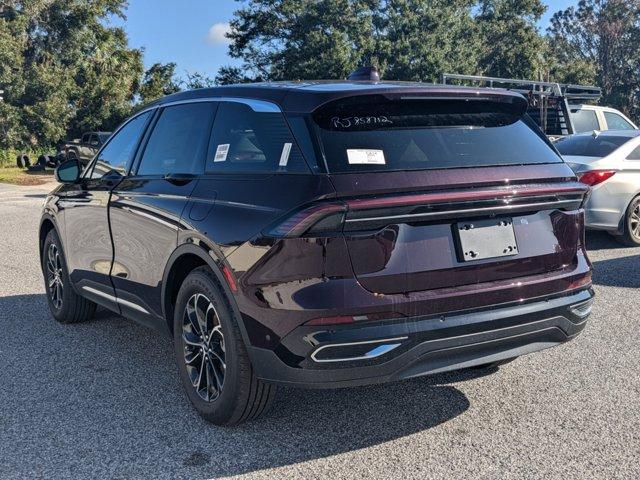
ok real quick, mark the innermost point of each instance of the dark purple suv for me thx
(323, 234)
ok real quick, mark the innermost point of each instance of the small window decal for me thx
(284, 156)
(221, 152)
(365, 157)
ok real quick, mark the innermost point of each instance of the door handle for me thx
(179, 178)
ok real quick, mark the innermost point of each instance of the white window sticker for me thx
(221, 153)
(284, 156)
(365, 157)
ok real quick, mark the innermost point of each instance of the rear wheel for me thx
(65, 304)
(214, 365)
(631, 235)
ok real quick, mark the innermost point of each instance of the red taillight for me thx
(595, 177)
(322, 217)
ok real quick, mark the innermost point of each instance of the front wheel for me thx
(65, 304)
(214, 365)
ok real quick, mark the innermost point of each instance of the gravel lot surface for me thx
(103, 399)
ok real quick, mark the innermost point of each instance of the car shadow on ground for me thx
(598, 240)
(623, 271)
(618, 272)
(108, 391)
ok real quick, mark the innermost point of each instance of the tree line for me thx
(65, 68)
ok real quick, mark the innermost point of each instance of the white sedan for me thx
(610, 163)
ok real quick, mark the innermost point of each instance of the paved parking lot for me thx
(103, 400)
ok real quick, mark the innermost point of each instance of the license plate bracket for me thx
(482, 239)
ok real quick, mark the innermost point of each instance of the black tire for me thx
(631, 235)
(71, 155)
(239, 395)
(22, 161)
(65, 304)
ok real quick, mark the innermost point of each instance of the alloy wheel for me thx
(204, 349)
(54, 276)
(634, 221)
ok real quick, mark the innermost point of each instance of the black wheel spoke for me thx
(204, 354)
(54, 276)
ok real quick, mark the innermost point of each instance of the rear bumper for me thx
(340, 356)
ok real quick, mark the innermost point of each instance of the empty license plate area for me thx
(486, 239)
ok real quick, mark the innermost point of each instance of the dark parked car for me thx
(323, 234)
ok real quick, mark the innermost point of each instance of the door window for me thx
(617, 122)
(584, 120)
(119, 152)
(179, 140)
(245, 141)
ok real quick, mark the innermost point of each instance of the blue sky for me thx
(190, 32)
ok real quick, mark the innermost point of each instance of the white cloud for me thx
(216, 34)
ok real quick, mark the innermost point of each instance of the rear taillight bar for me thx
(331, 216)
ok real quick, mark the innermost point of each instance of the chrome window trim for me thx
(260, 106)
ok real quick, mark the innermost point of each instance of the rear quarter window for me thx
(246, 141)
(365, 135)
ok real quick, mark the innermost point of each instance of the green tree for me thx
(301, 39)
(424, 38)
(511, 45)
(159, 80)
(63, 68)
(198, 80)
(597, 42)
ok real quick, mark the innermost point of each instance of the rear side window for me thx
(246, 141)
(584, 120)
(616, 122)
(118, 153)
(179, 140)
(635, 155)
(365, 134)
(590, 145)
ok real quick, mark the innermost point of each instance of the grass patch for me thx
(17, 176)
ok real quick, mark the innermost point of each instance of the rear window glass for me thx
(590, 145)
(364, 135)
(584, 120)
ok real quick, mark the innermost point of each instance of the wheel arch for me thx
(46, 225)
(181, 262)
(622, 225)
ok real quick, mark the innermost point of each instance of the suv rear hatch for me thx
(446, 191)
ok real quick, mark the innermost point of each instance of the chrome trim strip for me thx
(100, 293)
(468, 211)
(260, 106)
(132, 305)
(126, 303)
(367, 356)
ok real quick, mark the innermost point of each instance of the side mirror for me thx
(69, 171)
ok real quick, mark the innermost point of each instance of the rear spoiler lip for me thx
(425, 93)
